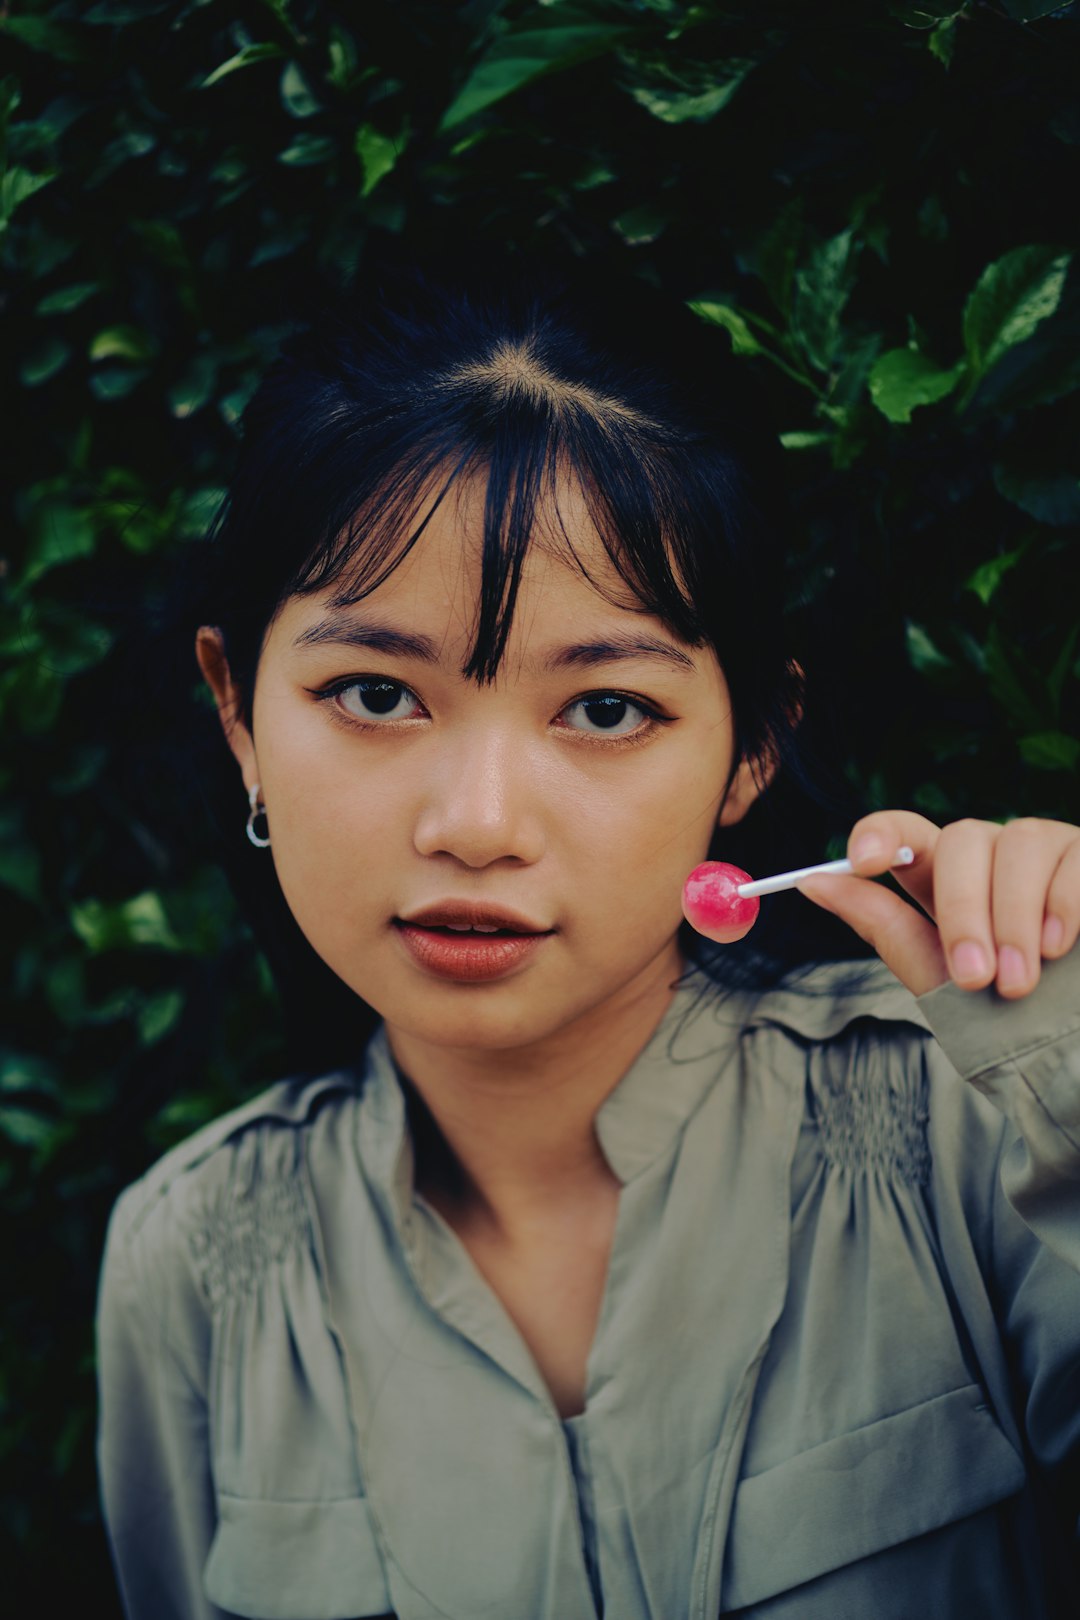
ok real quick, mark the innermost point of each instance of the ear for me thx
(753, 776)
(210, 652)
(751, 779)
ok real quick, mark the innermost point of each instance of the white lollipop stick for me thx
(788, 880)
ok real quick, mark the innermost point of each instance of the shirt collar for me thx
(687, 1053)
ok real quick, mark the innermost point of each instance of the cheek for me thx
(332, 824)
(638, 840)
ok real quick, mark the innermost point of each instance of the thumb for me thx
(907, 941)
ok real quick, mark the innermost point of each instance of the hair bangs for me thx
(528, 452)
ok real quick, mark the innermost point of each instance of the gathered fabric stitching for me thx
(869, 1115)
(251, 1224)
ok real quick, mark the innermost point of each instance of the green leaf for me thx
(32, 694)
(59, 533)
(18, 184)
(308, 149)
(804, 441)
(377, 153)
(51, 38)
(1056, 679)
(988, 576)
(1038, 468)
(743, 340)
(158, 1015)
(922, 653)
(116, 382)
(50, 356)
(517, 59)
(65, 299)
(903, 379)
(343, 59)
(22, 1072)
(1050, 751)
(1010, 299)
(296, 94)
(139, 921)
(10, 99)
(943, 41)
(776, 254)
(1050, 496)
(123, 343)
(280, 243)
(195, 388)
(73, 643)
(20, 862)
(132, 144)
(685, 106)
(24, 1127)
(1038, 372)
(822, 289)
(642, 224)
(1009, 685)
(197, 510)
(250, 53)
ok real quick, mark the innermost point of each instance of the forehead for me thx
(567, 576)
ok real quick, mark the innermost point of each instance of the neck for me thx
(505, 1139)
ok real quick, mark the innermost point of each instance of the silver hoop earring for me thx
(257, 809)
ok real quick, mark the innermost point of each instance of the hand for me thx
(998, 899)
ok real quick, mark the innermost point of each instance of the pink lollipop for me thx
(712, 903)
(721, 900)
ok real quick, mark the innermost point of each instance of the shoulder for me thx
(238, 1153)
(881, 1091)
(821, 1000)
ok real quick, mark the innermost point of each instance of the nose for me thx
(481, 800)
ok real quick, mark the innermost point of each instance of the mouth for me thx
(468, 952)
(464, 917)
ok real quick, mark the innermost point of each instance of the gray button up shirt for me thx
(836, 1371)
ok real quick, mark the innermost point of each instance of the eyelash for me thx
(653, 721)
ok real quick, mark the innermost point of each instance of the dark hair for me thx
(410, 378)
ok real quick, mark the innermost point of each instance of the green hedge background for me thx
(877, 201)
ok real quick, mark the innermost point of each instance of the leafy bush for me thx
(876, 203)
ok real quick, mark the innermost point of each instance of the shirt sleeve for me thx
(152, 1448)
(1024, 1058)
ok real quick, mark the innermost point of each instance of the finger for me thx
(963, 863)
(1026, 856)
(1063, 903)
(907, 942)
(875, 839)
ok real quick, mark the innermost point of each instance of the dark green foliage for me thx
(876, 201)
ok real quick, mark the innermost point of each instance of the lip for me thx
(473, 914)
(467, 957)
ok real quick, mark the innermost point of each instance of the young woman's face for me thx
(393, 784)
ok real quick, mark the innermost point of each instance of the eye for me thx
(610, 712)
(373, 697)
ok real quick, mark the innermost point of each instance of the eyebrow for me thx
(351, 632)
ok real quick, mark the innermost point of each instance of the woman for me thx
(607, 1273)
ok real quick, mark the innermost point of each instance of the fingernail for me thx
(867, 848)
(1053, 935)
(969, 962)
(1012, 969)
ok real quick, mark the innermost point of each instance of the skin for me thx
(507, 793)
(998, 900)
(503, 793)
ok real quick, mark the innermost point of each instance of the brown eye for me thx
(608, 712)
(372, 697)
